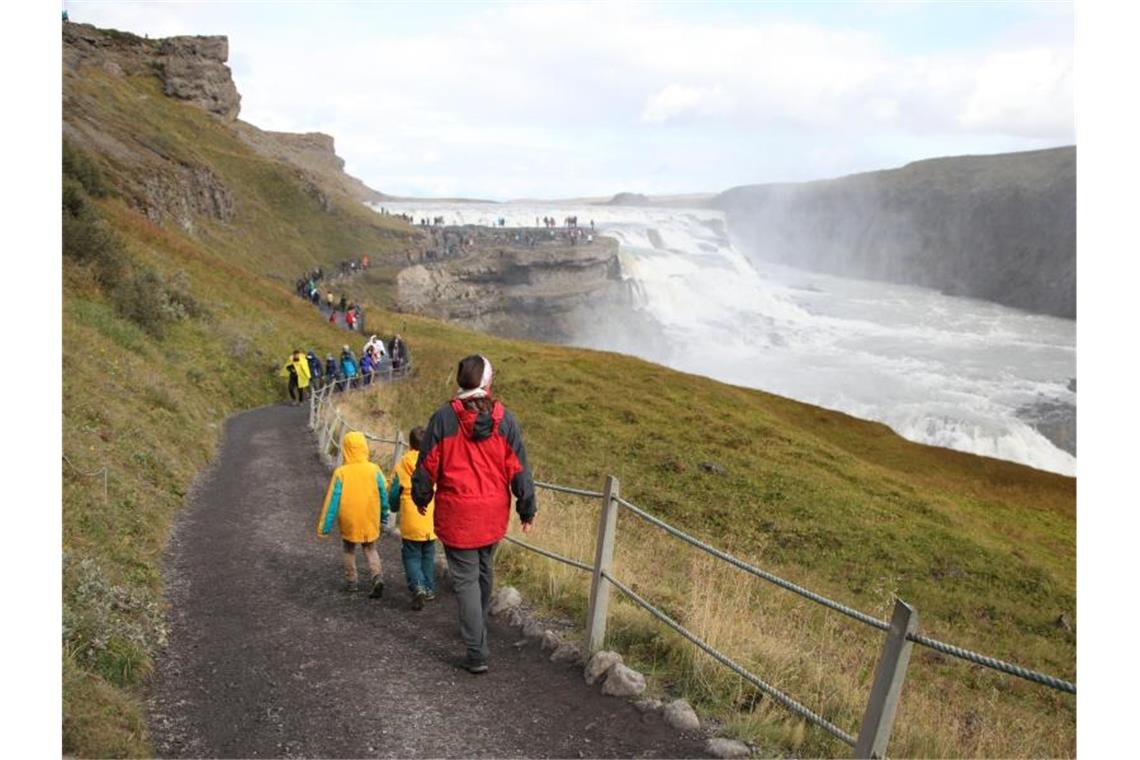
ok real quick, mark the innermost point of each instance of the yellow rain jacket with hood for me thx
(413, 525)
(357, 497)
(301, 367)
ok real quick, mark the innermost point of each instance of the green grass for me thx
(984, 549)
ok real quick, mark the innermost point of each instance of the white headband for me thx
(484, 388)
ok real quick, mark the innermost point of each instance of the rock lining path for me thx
(267, 658)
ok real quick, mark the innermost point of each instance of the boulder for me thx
(566, 652)
(517, 617)
(623, 681)
(599, 664)
(727, 748)
(551, 640)
(505, 598)
(532, 629)
(680, 715)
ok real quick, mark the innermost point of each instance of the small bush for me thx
(87, 239)
(77, 166)
(154, 302)
(109, 628)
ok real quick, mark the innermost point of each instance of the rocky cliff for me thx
(165, 186)
(1001, 228)
(487, 280)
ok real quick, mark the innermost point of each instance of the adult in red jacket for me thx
(471, 460)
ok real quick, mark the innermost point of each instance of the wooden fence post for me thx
(603, 559)
(398, 450)
(889, 676)
(340, 442)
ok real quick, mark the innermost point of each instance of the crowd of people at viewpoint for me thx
(453, 485)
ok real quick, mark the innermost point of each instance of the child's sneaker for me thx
(418, 600)
(377, 588)
(349, 587)
(429, 596)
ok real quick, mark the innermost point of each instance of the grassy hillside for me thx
(166, 332)
(172, 323)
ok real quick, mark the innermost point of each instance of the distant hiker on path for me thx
(357, 501)
(472, 460)
(348, 367)
(332, 373)
(416, 531)
(297, 369)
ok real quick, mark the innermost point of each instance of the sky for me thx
(561, 100)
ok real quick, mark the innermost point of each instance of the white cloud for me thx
(676, 100)
(574, 98)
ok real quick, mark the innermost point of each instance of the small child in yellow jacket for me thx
(357, 501)
(417, 531)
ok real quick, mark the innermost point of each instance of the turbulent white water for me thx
(937, 369)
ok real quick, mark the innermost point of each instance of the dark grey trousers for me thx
(473, 574)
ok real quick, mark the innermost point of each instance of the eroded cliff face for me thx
(168, 189)
(484, 279)
(1000, 228)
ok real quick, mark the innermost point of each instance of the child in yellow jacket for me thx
(417, 531)
(357, 501)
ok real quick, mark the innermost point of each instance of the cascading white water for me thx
(937, 369)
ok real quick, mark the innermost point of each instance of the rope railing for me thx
(768, 689)
(552, 555)
(992, 662)
(850, 612)
(569, 490)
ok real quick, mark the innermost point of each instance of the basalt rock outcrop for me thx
(1000, 228)
(485, 279)
(153, 178)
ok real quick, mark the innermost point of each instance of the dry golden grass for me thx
(820, 658)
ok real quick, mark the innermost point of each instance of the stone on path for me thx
(623, 681)
(532, 629)
(566, 652)
(680, 715)
(727, 748)
(551, 640)
(516, 617)
(648, 705)
(600, 663)
(505, 598)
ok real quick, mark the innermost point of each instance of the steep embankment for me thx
(181, 244)
(1001, 228)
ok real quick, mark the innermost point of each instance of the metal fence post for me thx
(889, 675)
(603, 559)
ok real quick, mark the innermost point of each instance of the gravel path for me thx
(267, 658)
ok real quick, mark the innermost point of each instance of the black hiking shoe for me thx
(377, 588)
(476, 665)
(350, 587)
(429, 596)
(418, 601)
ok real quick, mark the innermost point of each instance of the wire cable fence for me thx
(901, 633)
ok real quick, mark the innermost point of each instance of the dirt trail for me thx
(267, 658)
